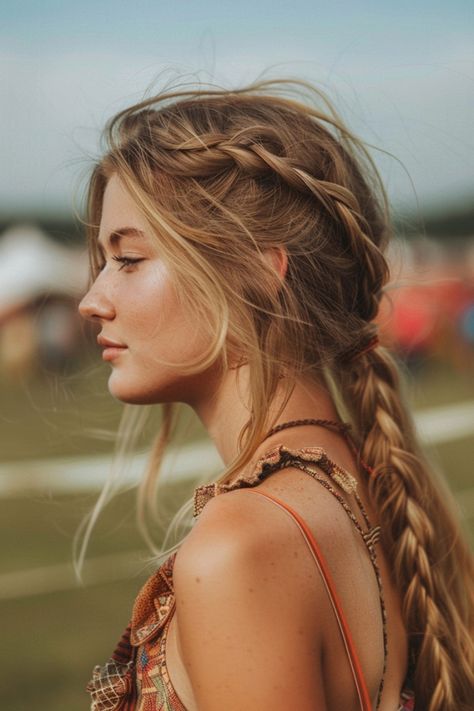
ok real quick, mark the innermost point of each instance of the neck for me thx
(227, 409)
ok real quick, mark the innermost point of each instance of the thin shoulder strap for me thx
(359, 680)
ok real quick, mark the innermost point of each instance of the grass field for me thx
(52, 641)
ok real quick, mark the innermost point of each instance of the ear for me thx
(278, 259)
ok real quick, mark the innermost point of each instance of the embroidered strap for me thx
(361, 686)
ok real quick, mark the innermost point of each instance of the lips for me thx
(102, 341)
(112, 349)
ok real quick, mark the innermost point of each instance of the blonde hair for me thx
(222, 175)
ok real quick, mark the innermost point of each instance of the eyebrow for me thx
(115, 236)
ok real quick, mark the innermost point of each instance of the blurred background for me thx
(401, 74)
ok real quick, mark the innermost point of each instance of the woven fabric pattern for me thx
(135, 678)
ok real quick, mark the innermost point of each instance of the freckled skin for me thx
(137, 305)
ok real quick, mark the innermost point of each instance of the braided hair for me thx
(223, 175)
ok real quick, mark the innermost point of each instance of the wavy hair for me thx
(222, 175)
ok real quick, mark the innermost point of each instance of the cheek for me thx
(153, 306)
(146, 301)
(160, 329)
(159, 325)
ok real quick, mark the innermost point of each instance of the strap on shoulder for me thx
(359, 680)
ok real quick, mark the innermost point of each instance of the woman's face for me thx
(134, 301)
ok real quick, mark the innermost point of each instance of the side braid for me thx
(411, 512)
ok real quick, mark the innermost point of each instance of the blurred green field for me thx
(68, 415)
(53, 640)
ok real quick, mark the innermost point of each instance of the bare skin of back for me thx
(304, 654)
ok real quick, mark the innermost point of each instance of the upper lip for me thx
(102, 341)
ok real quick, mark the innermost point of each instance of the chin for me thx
(129, 393)
(136, 394)
(133, 398)
(171, 387)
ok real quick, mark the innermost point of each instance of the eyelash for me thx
(125, 261)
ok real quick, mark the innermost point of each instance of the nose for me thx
(95, 305)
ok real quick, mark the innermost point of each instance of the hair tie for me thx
(355, 352)
(373, 343)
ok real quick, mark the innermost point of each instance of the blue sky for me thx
(402, 74)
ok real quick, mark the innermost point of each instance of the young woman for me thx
(237, 247)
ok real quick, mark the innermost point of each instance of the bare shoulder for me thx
(243, 545)
(239, 586)
(234, 529)
(242, 529)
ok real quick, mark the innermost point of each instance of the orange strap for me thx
(323, 568)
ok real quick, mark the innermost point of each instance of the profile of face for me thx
(135, 302)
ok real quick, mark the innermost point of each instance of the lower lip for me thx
(111, 353)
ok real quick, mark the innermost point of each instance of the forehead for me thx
(120, 216)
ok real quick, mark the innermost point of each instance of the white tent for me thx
(32, 265)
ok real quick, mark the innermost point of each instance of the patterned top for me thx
(136, 678)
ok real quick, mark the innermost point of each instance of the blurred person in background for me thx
(237, 242)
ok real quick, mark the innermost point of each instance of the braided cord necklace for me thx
(371, 536)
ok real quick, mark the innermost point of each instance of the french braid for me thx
(206, 154)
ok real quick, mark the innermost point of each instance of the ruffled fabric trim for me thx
(277, 457)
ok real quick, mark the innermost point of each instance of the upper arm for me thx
(246, 634)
